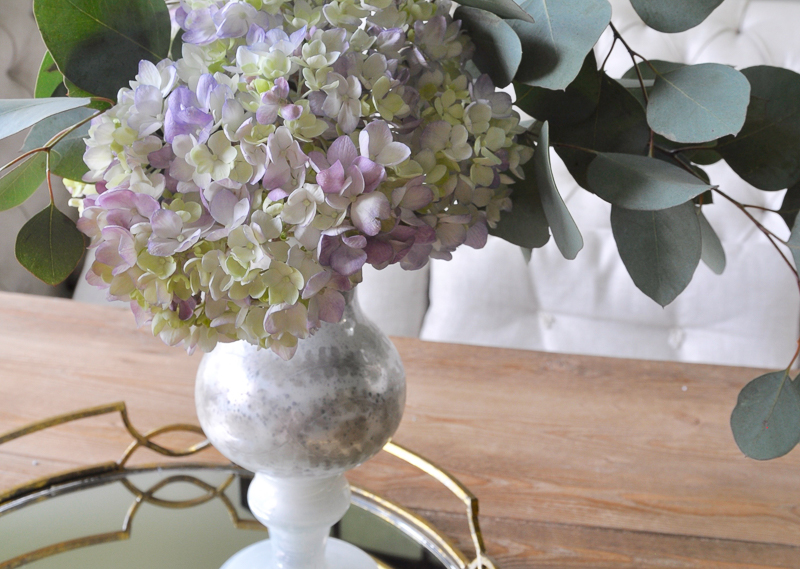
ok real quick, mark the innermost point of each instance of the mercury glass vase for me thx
(299, 425)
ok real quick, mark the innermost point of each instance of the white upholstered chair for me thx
(748, 316)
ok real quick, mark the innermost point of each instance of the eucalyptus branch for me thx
(769, 234)
(22, 157)
(630, 49)
(50, 143)
(574, 147)
(673, 151)
(762, 208)
(687, 166)
(104, 100)
(49, 178)
(633, 54)
(794, 358)
(743, 207)
(64, 133)
(610, 51)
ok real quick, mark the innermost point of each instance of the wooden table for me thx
(578, 462)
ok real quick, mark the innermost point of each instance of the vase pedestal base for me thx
(338, 555)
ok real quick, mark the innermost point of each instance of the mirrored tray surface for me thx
(193, 517)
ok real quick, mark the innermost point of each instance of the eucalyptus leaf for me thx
(702, 175)
(49, 245)
(526, 254)
(565, 232)
(660, 249)
(556, 45)
(618, 124)
(698, 103)
(791, 205)
(19, 114)
(630, 79)
(703, 153)
(635, 83)
(20, 183)
(498, 51)
(674, 15)
(176, 47)
(764, 153)
(48, 79)
(507, 9)
(640, 182)
(712, 253)
(570, 106)
(70, 150)
(646, 69)
(766, 419)
(703, 156)
(525, 225)
(48, 128)
(98, 45)
(74, 91)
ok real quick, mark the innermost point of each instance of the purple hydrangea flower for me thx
(184, 116)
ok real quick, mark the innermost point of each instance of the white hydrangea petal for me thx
(392, 154)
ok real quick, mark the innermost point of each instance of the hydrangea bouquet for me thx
(241, 188)
(237, 162)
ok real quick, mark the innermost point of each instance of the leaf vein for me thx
(91, 17)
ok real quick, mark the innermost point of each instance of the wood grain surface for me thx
(578, 462)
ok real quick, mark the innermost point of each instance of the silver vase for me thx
(299, 425)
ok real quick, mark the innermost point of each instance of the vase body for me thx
(299, 425)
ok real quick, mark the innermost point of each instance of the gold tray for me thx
(194, 515)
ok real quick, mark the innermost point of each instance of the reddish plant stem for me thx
(778, 211)
(22, 157)
(769, 234)
(49, 179)
(634, 55)
(794, 358)
(610, 51)
(574, 147)
(104, 100)
(58, 137)
(50, 143)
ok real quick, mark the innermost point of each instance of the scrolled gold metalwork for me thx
(481, 561)
(139, 440)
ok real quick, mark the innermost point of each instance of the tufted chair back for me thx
(21, 52)
(748, 316)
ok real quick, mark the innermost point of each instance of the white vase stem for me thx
(299, 513)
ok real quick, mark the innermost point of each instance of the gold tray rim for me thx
(42, 487)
